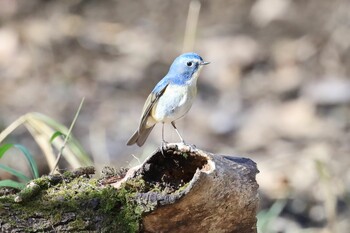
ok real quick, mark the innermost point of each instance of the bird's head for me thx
(187, 66)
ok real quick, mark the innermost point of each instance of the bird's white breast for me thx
(175, 102)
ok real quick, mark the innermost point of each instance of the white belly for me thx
(174, 103)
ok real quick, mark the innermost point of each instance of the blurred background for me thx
(277, 89)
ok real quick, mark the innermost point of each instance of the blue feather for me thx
(179, 73)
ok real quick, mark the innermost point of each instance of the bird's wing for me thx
(151, 101)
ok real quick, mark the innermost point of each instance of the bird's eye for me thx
(189, 63)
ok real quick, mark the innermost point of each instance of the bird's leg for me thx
(182, 140)
(192, 146)
(163, 141)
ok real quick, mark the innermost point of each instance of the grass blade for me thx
(4, 148)
(14, 172)
(42, 128)
(26, 153)
(30, 159)
(11, 183)
(12, 127)
(55, 135)
(74, 145)
(266, 217)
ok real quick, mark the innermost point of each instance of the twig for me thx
(67, 136)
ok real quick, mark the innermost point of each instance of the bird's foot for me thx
(191, 146)
(163, 146)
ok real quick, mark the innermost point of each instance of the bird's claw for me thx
(191, 146)
(163, 146)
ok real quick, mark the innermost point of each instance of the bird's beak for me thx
(205, 63)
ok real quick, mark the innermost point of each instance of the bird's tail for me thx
(140, 136)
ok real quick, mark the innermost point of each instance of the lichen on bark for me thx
(75, 203)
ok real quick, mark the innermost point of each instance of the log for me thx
(178, 188)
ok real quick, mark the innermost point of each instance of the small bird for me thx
(171, 98)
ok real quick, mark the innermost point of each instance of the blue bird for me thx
(171, 98)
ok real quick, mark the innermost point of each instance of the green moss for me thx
(182, 188)
(156, 188)
(6, 199)
(185, 155)
(113, 210)
(68, 174)
(78, 224)
(43, 181)
(28, 192)
(56, 218)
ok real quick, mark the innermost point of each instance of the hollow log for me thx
(178, 188)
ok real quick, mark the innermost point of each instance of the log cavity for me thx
(171, 171)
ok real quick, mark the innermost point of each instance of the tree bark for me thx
(177, 189)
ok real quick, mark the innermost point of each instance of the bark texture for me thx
(177, 189)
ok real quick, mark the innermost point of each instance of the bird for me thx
(171, 98)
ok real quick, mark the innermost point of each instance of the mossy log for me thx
(177, 189)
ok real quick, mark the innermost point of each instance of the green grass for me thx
(266, 217)
(49, 135)
(22, 177)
